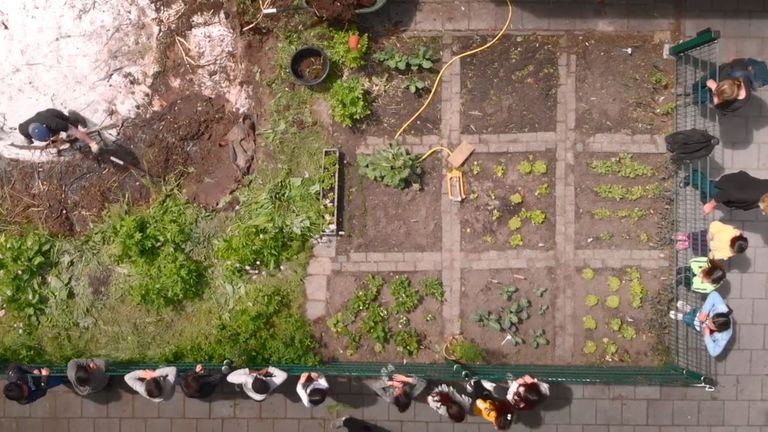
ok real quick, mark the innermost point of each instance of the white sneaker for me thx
(683, 306)
(676, 315)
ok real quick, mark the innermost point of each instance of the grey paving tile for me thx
(375, 408)
(106, 424)
(158, 425)
(55, 425)
(685, 412)
(597, 391)
(94, 405)
(659, 412)
(261, 425)
(299, 411)
(275, 406)
(10, 425)
(68, 404)
(209, 425)
(43, 407)
(414, 427)
(121, 405)
(311, 425)
(197, 408)
(742, 309)
(750, 387)
(80, 425)
(133, 425)
(583, 411)
(173, 408)
(737, 362)
(750, 336)
(711, 413)
(418, 412)
(608, 412)
(29, 424)
(760, 305)
(622, 392)
(634, 412)
(736, 413)
(464, 427)
(758, 413)
(646, 429)
(647, 392)
(183, 425)
(145, 408)
(569, 428)
(223, 408)
(286, 425)
(234, 425)
(248, 408)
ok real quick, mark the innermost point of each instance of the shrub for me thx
(467, 352)
(393, 165)
(340, 51)
(433, 287)
(407, 298)
(349, 101)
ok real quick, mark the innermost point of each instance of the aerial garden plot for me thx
(302, 232)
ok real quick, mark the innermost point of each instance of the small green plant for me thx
(393, 165)
(540, 292)
(474, 196)
(433, 287)
(406, 297)
(606, 236)
(423, 59)
(614, 324)
(492, 195)
(540, 167)
(632, 193)
(592, 300)
(488, 239)
(376, 324)
(525, 167)
(589, 322)
(516, 198)
(668, 108)
(516, 240)
(539, 338)
(428, 317)
(614, 283)
(349, 101)
(587, 274)
(628, 332)
(495, 214)
(537, 217)
(590, 347)
(612, 301)
(609, 347)
(507, 292)
(644, 237)
(543, 309)
(407, 342)
(660, 79)
(340, 51)
(414, 85)
(542, 190)
(637, 293)
(633, 215)
(467, 352)
(624, 165)
(500, 170)
(476, 168)
(514, 223)
(403, 322)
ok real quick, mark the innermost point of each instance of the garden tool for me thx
(455, 177)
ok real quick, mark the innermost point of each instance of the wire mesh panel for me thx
(696, 62)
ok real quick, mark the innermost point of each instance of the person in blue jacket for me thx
(713, 319)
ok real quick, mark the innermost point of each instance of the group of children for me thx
(26, 385)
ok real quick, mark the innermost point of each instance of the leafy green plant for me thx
(587, 274)
(393, 165)
(414, 85)
(540, 167)
(500, 170)
(392, 58)
(495, 214)
(539, 338)
(403, 322)
(376, 324)
(542, 190)
(476, 168)
(590, 347)
(407, 298)
(516, 240)
(488, 239)
(516, 198)
(514, 223)
(592, 300)
(428, 317)
(467, 352)
(507, 292)
(540, 292)
(612, 301)
(624, 165)
(606, 236)
(537, 217)
(589, 322)
(474, 196)
(632, 214)
(628, 332)
(637, 293)
(349, 101)
(614, 324)
(609, 347)
(614, 283)
(340, 51)
(543, 309)
(407, 342)
(525, 167)
(632, 193)
(433, 287)
(668, 108)
(423, 59)
(660, 79)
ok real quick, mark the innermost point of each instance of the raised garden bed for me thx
(630, 327)
(511, 87)
(605, 222)
(329, 191)
(482, 291)
(392, 103)
(382, 219)
(637, 98)
(502, 187)
(361, 338)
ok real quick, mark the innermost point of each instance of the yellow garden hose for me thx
(440, 75)
(432, 150)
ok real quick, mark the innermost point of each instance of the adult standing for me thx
(87, 375)
(399, 390)
(27, 384)
(156, 385)
(737, 190)
(258, 384)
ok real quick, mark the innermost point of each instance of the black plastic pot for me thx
(307, 53)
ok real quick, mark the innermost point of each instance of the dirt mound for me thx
(339, 10)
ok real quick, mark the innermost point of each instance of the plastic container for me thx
(308, 76)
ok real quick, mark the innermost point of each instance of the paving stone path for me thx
(740, 402)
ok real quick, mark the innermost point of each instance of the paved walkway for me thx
(740, 402)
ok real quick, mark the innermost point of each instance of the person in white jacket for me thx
(449, 403)
(312, 389)
(258, 384)
(156, 385)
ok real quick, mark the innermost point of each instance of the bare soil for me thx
(377, 218)
(481, 292)
(628, 102)
(509, 87)
(650, 232)
(479, 231)
(335, 10)
(342, 286)
(311, 68)
(641, 349)
(392, 105)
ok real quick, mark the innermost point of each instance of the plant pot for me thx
(310, 65)
(329, 191)
(374, 8)
(447, 351)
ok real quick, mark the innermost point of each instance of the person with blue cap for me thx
(47, 124)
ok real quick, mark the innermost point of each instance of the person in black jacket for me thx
(737, 190)
(200, 383)
(47, 124)
(26, 384)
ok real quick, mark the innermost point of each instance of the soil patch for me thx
(392, 104)
(481, 292)
(377, 218)
(426, 320)
(485, 215)
(311, 68)
(638, 351)
(649, 232)
(618, 92)
(509, 87)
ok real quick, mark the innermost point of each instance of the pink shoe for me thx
(683, 245)
(681, 236)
